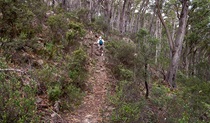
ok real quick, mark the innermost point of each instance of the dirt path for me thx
(94, 102)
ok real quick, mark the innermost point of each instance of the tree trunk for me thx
(118, 11)
(152, 29)
(170, 40)
(172, 71)
(145, 82)
(90, 11)
(64, 4)
(158, 30)
(139, 16)
(122, 18)
(132, 22)
(113, 17)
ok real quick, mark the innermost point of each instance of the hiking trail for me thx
(94, 107)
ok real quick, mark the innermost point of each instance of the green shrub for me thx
(48, 81)
(54, 93)
(127, 113)
(17, 101)
(72, 97)
(122, 52)
(75, 30)
(197, 94)
(127, 100)
(16, 20)
(128, 103)
(100, 24)
(50, 51)
(188, 104)
(57, 22)
(58, 26)
(126, 74)
(166, 101)
(77, 69)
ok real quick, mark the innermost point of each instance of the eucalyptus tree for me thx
(176, 44)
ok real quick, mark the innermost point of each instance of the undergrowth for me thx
(188, 104)
(47, 45)
(17, 98)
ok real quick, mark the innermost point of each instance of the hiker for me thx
(100, 43)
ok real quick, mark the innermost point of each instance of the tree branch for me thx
(11, 69)
(177, 11)
(171, 43)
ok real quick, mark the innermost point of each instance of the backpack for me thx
(101, 42)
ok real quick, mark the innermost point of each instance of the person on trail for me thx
(100, 43)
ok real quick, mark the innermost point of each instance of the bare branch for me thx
(11, 69)
(171, 43)
(177, 11)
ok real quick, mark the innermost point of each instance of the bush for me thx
(127, 113)
(54, 93)
(168, 105)
(126, 74)
(50, 50)
(57, 22)
(197, 93)
(75, 31)
(77, 69)
(58, 26)
(17, 100)
(72, 97)
(45, 78)
(127, 102)
(72, 89)
(58, 86)
(122, 52)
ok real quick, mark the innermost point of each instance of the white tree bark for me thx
(171, 75)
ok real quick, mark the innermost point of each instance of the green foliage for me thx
(19, 24)
(57, 22)
(76, 30)
(54, 92)
(58, 26)
(165, 101)
(46, 75)
(100, 24)
(17, 17)
(17, 100)
(81, 15)
(127, 102)
(127, 113)
(197, 93)
(21, 33)
(188, 104)
(58, 86)
(128, 94)
(126, 74)
(146, 45)
(50, 50)
(72, 97)
(197, 37)
(77, 69)
(122, 52)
